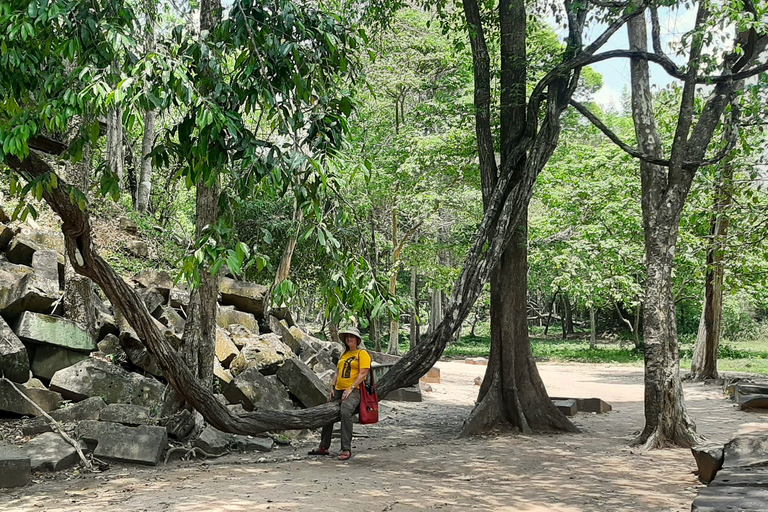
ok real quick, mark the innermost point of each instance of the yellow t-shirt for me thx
(349, 367)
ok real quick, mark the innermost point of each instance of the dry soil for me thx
(411, 460)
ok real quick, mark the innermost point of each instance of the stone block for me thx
(50, 452)
(213, 441)
(723, 499)
(127, 414)
(476, 360)
(743, 477)
(137, 249)
(21, 250)
(152, 298)
(94, 377)
(46, 265)
(170, 318)
(128, 225)
(45, 240)
(226, 350)
(746, 450)
(39, 328)
(566, 407)
(228, 315)
(747, 402)
(409, 394)
(14, 360)
(15, 467)
(88, 409)
(221, 373)
(179, 425)
(245, 296)
(303, 383)
(259, 392)
(49, 359)
(264, 352)
(280, 327)
(6, 235)
(110, 346)
(113, 441)
(21, 290)
(595, 405)
(10, 401)
(432, 376)
(320, 362)
(137, 353)
(179, 296)
(239, 335)
(383, 358)
(709, 460)
(161, 281)
(253, 444)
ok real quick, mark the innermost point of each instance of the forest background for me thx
(372, 224)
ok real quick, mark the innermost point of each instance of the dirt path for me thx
(412, 461)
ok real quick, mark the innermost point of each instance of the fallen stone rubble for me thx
(105, 389)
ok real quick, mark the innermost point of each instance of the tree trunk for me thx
(512, 391)
(145, 169)
(115, 156)
(376, 333)
(144, 187)
(414, 334)
(284, 268)
(592, 327)
(435, 310)
(666, 419)
(704, 364)
(199, 338)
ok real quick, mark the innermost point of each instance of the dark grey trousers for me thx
(348, 408)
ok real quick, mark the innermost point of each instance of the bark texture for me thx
(512, 391)
(144, 186)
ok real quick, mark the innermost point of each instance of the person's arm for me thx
(333, 386)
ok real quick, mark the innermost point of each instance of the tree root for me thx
(57, 428)
(191, 452)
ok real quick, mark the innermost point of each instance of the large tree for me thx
(666, 178)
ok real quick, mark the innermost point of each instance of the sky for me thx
(615, 72)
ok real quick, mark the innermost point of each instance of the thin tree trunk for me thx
(592, 327)
(551, 311)
(115, 155)
(435, 310)
(704, 364)
(284, 268)
(199, 338)
(414, 334)
(144, 188)
(636, 337)
(145, 169)
(394, 325)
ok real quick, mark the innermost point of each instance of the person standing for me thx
(351, 371)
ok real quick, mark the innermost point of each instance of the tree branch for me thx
(615, 138)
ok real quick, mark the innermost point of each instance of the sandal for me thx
(345, 455)
(319, 451)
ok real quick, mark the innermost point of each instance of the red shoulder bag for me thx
(369, 401)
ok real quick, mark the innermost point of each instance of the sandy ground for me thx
(411, 460)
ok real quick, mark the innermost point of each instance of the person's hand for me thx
(330, 395)
(346, 393)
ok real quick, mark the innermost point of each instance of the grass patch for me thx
(734, 356)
